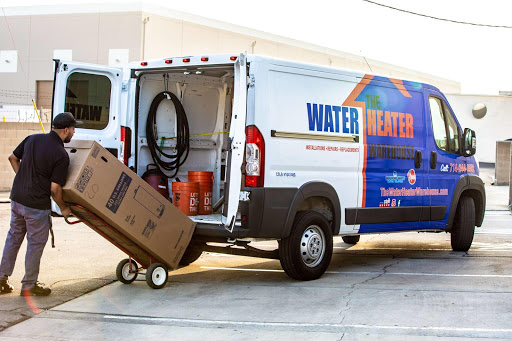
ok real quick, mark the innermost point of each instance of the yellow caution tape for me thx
(39, 117)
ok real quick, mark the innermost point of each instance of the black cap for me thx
(65, 120)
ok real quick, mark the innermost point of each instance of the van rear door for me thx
(92, 94)
(237, 145)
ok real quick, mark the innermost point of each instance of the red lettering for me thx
(379, 123)
(387, 124)
(401, 123)
(409, 130)
(371, 121)
(394, 115)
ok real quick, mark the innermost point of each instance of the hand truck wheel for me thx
(125, 273)
(156, 275)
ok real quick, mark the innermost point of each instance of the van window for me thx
(88, 99)
(446, 131)
(453, 129)
(436, 112)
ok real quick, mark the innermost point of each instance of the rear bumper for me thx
(263, 217)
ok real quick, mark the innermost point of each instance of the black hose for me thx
(182, 135)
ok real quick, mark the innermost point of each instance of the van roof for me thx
(226, 59)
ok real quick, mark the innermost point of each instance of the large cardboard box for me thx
(101, 183)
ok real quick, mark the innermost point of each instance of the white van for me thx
(299, 152)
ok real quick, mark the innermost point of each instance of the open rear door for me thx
(92, 93)
(237, 144)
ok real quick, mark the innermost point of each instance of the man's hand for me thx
(66, 212)
(57, 197)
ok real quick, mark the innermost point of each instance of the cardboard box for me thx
(101, 183)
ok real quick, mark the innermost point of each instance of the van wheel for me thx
(463, 228)
(192, 253)
(307, 252)
(352, 240)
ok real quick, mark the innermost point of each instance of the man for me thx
(41, 165)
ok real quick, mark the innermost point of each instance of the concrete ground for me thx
(80, 262)
(387, 287)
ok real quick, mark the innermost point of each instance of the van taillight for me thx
(126, 144)
(254, 157)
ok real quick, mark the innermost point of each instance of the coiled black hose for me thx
(182, 135)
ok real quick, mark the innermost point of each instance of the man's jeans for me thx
(36, 225)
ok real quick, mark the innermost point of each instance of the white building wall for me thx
(496, 125)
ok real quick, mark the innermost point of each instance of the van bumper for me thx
(263, 216)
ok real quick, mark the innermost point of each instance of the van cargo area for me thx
(206, 94)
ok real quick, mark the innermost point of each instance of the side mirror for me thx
(469, 146)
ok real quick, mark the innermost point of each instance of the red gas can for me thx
(156, 179)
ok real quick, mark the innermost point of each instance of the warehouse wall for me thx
(495, 126)
(89, 36)
(11, 134)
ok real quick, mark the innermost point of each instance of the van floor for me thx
(214, 219)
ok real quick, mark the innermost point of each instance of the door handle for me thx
(417, 159)
(433, 160)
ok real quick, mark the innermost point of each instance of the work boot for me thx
(36, 290)
(5, 286)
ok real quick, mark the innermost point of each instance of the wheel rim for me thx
(158, 276)
(127, 275)
(312, 246)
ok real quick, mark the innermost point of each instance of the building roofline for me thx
(134, 6)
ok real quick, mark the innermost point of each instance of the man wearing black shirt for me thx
(41, 164)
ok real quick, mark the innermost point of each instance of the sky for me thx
(478, 57)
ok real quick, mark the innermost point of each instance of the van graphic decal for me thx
(395, 178)
(390, 152)
(411, 176)
(333, 148)
(392, 128)
(389, 123)
(400, 86)
(352, 101)
(333, 118)
(412, 192)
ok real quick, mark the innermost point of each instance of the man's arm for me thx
(57, 197)
(15, 163)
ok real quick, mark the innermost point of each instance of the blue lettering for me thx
(354, 124)
(328, 125)
(315, 117)
(337, 110)
(344, 111)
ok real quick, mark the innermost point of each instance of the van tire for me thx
(307, 252)
(463, 228)
(352, 240)
(192, 253)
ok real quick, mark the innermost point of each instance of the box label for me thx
(119, 192)
(149, 229)
(148, 201)
(82, 182)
